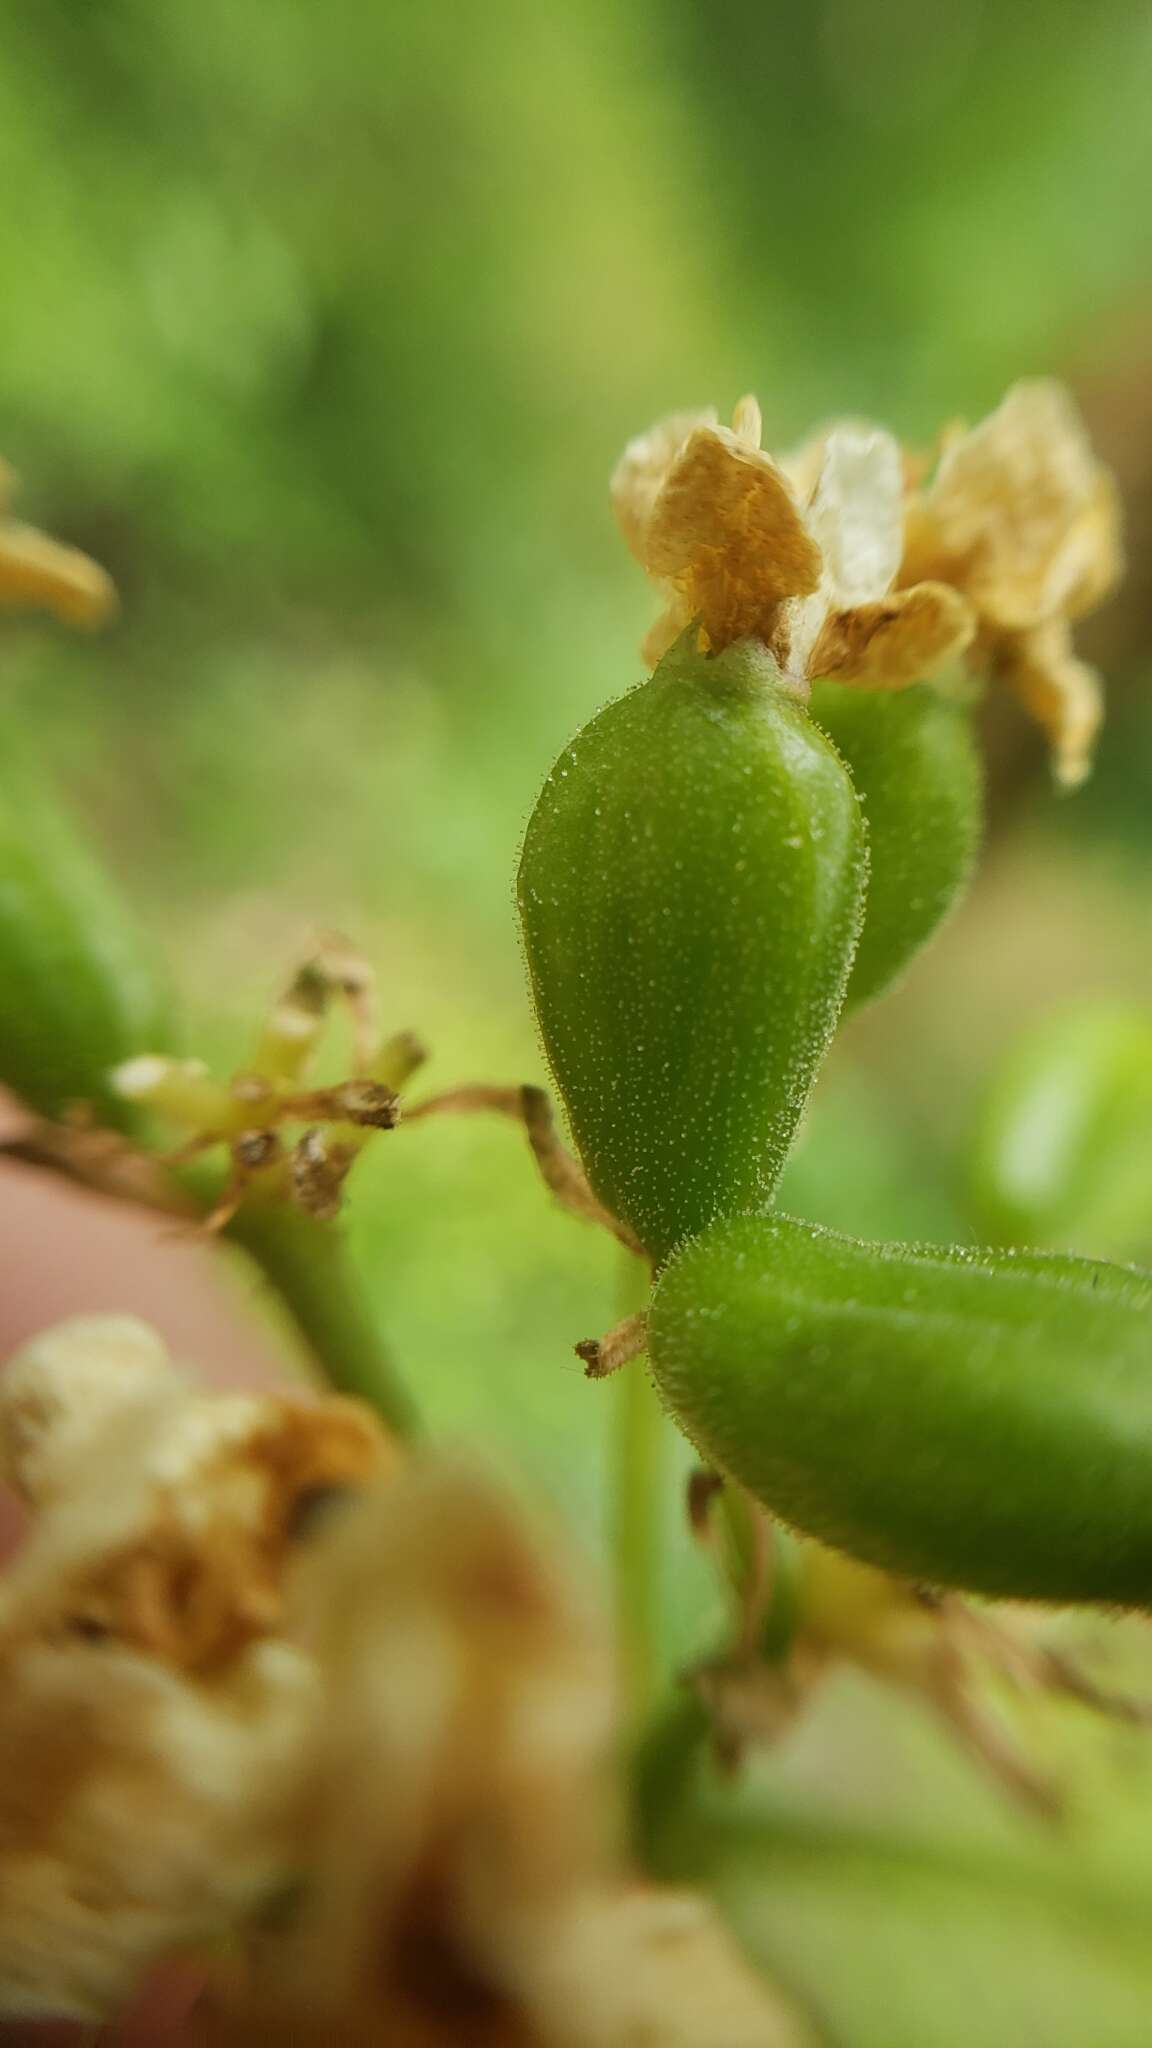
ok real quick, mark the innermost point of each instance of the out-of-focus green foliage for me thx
(1062, 1151)
(322, 327)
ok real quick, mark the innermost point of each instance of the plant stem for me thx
(663, 1767)
(307, 1263)
(637, 1496)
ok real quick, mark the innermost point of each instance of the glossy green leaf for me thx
(80, 989)
(690, 891)
(971, 1419)
(914, 762)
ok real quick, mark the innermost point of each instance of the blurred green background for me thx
(322, 328)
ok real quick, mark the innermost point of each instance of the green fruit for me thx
(79, 989)
(971, 1419)
(690, 891)
(914, 762)
(1063, 1146)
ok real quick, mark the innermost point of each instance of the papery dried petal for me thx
(857, 513)
(60, 1389)
(728, 536)
(1020, 515)
(151, 1724)
(897, 641)
(138, 1814)
(165, 1516)
(642, 470)
(856, 516)
(1063, 694)
(463, 1887)
(38, 571)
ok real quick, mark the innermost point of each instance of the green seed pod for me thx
(972, 1419)
(914, 762)
(690, 891)
(1063, 1145)
(79, 990)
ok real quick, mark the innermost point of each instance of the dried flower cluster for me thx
(463, 1884)
(248, 1114)
(152, 1711)
(849, 565)
(390, 1725)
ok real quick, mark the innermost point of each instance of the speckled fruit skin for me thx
(913, 758)
(79, 987)
(690, 891)
(972, 1419)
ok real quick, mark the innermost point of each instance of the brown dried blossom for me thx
(464, 1888)
(801, 554)
(152, 1712)
(848, 566)
(40, 572)
(378, 1760)
(1025, 522)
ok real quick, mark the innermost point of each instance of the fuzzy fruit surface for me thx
(79, 987)
(690, 891)
(972, 1419)
(913, 759)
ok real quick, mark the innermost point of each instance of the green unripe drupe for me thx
(917, 773)
(80, 989)
(690, 891)
(972, 1419)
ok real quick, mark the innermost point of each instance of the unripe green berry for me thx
(972, 1419)
(917, 773)
(690, 890)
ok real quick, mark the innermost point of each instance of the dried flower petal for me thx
(1020, 515)
(799, 554)
(138, 1813)
(641, 473)
(856, 516)
(463, 1886)
(151, 1724)
(35, 570)
(1024, 521)
(726, 534)
(1063, 694)
(895, 642)
(58, 1391)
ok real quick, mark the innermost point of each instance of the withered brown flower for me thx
(848, 566)
(152, 1712)
(1023, 519)
(38, 571)
(464, 1888)
(801, 554)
